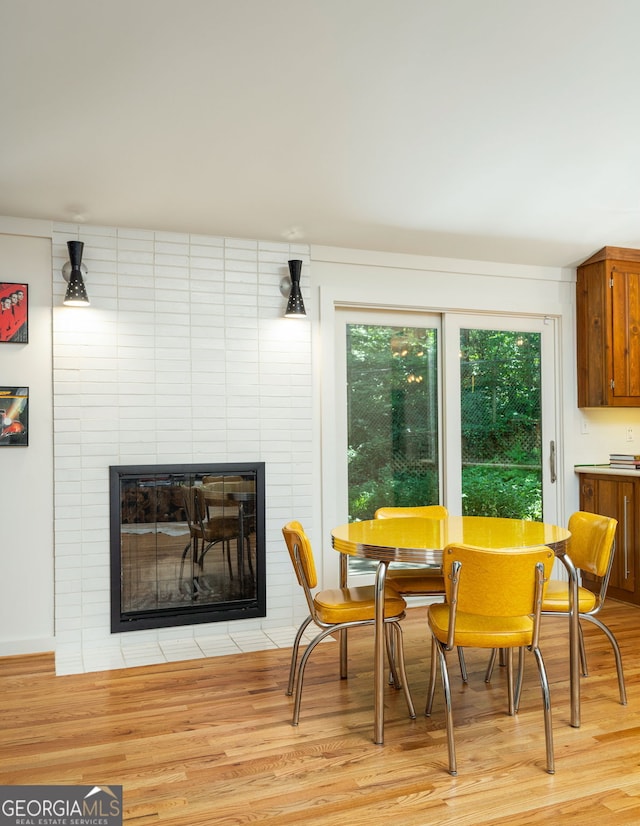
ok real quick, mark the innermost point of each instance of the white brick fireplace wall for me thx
(183, 357)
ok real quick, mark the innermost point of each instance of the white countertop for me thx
(605, 470)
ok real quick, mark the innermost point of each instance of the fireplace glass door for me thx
(187, 544)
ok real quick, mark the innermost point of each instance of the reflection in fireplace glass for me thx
(189, 544)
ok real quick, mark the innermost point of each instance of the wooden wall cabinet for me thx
(619, 497)
(608, 329)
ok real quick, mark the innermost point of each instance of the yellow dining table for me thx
(421, 542)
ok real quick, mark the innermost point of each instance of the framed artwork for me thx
(14, 313)
(14, 416)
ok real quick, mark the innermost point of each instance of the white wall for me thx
(26, 473)
(599, 432)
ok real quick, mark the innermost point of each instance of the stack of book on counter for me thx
(628, 461)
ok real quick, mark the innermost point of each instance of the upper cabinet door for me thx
(625, 327)
(608, 329)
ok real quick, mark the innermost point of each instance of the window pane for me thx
(501, 423)
(392, 417)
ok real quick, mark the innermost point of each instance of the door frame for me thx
(334, 481)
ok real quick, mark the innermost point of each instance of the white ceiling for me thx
(503, 130)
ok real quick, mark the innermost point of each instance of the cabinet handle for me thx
(626, 554)
(552, 460)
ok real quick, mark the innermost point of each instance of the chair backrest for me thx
(423, 511)
(591, 546)
(496, 583)
(301, 554)
(215, 504)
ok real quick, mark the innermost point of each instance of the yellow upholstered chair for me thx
(494, 600)
(336, 610)
(591, 549)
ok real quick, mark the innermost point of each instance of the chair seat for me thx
(415, 581)
(473, 631)
(336, 605)
(557, 598)
(221, 527)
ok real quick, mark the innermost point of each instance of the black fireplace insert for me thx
(187, 544)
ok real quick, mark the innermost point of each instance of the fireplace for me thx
(187, 544)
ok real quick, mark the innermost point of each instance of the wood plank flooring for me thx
(210, 742)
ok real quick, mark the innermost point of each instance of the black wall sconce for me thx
(295, 304)
(74, 271)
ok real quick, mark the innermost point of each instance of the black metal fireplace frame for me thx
(187, 614)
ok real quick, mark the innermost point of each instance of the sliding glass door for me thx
(449, 408)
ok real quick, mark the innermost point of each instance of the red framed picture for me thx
(14, 313)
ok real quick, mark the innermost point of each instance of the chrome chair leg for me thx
(616, 654)
(513, 708)
(492, 661)
(519, 679)
(583, 653)
(461, 661)
(300, 676)
(395, 654)
(444, 673)
(546, 698)
(463, 665)
(399, 647)
(390, 644)
(294, 654)
(432, 678)
(510, 695)
(296, 670)
(490, 665)
(343, 654)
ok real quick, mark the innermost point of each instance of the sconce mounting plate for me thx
(66, 271)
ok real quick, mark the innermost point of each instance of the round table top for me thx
(418, 540)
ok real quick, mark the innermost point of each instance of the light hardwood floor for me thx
(210, 742)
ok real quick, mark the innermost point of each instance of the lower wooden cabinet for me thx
(619, 497)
